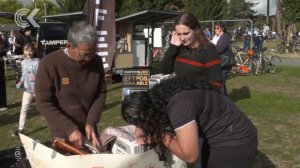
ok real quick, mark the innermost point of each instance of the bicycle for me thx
(292, 46)
(244, 62)
(264, 64)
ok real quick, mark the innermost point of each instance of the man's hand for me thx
(175, 40)
(76, 138)
(91, 135)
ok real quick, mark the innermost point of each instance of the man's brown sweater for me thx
(69, 94)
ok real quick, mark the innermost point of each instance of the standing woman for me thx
(190, 53)
(222, 43)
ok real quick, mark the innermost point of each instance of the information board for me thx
(137, 78)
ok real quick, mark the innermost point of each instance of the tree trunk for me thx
(278, 18)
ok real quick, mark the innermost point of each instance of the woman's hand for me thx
(175, 40)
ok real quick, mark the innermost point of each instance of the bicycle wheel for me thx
(281, 48)
(257, 65)
(297, 48)
(265, 62)
(240, 57)
(275, 64)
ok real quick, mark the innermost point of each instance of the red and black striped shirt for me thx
(186, 62)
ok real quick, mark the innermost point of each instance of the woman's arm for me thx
(222, 44)
(186, 143)
(167, 63)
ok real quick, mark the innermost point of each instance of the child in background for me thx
(29, 68)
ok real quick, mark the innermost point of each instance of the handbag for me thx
(227, 59)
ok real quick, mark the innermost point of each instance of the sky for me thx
(261, 8)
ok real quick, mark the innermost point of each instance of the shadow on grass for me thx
(262, 161)
(9, 117)
(36, 130)
(109, 105)
(114, 88)
(239, 94)
(10, 77)
(16, 104)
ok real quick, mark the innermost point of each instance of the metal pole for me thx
(45, 11)
(268, 9)
(34, 1)
(212, 29)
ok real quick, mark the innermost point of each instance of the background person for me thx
(192, 108)
(29, 69)
(190, 53)
(258, 40)
(16, 43)
(28, 37)
(70, 87)
(207, 33)
(266, 31)
(3, 100)
(247, 39)
(222, 42)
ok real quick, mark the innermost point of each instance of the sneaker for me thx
(16, 133)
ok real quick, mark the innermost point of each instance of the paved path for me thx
(295, 62)
(290, 59)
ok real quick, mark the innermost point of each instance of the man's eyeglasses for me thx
(217, 28)
(83, 57)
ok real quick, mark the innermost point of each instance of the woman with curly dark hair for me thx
(192, 108)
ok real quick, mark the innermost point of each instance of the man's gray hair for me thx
(81, 32)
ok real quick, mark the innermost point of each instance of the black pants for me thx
(231, 157)
(2, 85)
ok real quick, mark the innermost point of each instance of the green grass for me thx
(271, 101)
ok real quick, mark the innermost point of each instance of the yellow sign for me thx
(136, 78)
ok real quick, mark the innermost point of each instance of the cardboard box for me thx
(125, 146)
(41, 156)
(157, 78)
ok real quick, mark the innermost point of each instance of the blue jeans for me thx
(246, 45)
(224, 78)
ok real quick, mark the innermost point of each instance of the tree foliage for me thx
(65, 6)
(291, 10)
(51, 8)
(206, 9)
(9, 6)
(128, 7)
(239, 9)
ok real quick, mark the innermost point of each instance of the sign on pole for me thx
(101, 14)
